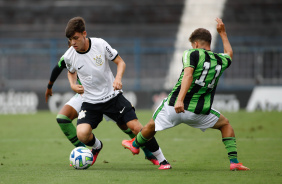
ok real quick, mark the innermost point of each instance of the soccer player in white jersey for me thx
(71, 109)
(88, 58)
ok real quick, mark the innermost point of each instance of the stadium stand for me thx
(144, 32)
(256, 36)
(254, 32)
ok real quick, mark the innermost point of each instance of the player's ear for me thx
(198, 44)
(84, 34)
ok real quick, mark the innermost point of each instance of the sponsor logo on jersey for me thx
(109, 96)
(98, 61)
(109, 51)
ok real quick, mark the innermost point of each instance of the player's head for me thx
(200, 38)
(75, 32)
(75, 25)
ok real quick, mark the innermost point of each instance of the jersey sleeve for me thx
(69, 66)
(226, 58)
(190, 58)
(61, 63)
(57, 70)
(55, 73)
(111, 53)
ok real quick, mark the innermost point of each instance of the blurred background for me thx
(150, 36)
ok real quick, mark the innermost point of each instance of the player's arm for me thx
(54, 75)
(120, 70)
(222, 32)
(185, 85)
(75, 87)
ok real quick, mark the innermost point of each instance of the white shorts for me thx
(165, 117)
(76, 102)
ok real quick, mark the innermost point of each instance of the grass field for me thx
(34, 150)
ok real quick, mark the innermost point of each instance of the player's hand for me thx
(220, 26)
(117, 84)
(77, 88)
(48, 93)
(179, 107)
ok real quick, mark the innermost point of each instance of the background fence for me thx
(26, 64)
(146, 35)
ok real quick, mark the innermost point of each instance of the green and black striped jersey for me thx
(208, 67)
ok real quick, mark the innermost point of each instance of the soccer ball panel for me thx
(81, 158)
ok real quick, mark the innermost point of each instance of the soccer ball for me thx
(81, 158)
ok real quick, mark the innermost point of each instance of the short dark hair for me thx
(200, 34)
(76, 24)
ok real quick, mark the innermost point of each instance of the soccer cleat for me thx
(153, 159)
(165, 165)
(128, 144)
(238, 167)
(95, 153)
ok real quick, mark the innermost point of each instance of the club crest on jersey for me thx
(98, 60)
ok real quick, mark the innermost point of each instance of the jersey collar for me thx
(87, 49)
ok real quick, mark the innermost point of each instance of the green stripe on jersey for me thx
(60, 62)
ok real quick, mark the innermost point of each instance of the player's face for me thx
(78, 41)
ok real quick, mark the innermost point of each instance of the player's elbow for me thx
(188, 76)
(230, 53)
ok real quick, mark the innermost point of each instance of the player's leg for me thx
(148, 155)
(146, 138)
(120, 110)
(88, 119)
(229, 140)
(85, 135)
(64, 119)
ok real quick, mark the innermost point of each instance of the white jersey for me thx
(93, 70)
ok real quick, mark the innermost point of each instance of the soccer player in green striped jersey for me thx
(190, 101)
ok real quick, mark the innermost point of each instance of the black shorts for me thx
(118, 109)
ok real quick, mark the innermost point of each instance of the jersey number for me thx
(201, 80)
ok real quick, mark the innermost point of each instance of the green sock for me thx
(147, 153)
(231, 147)
(69, 130)
(139, 140)
(129, 133)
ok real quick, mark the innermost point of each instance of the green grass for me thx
(34, 150)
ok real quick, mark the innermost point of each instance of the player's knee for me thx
(225, 124)
(225, 121)
(84, 134)
(135, 126)
(222, 122)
